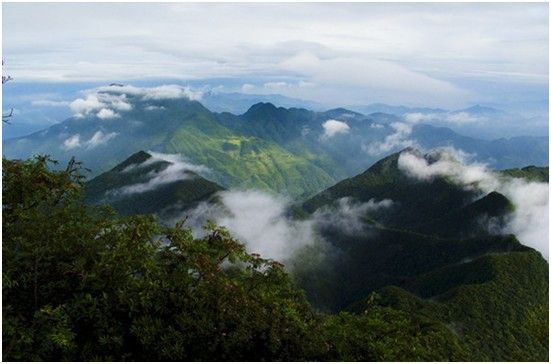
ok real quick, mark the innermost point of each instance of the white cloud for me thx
(369, 46)
(530, 219)
(247, 87)
(456, 117)
(154, 107)
(333, 127)
(163, 92)
(107, 102)
(276, 85)
(107, 114)
(397, 140)
(260, 221)
(178, 169)
(50, 103)
(72, 142)
(348, 215)
(100, 103)
(99, 138)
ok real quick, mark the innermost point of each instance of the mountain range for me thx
(293, 151)
(434, 248)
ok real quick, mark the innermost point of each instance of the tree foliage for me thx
(81, 283)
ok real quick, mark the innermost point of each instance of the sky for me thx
(416, 54)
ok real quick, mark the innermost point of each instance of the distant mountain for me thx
(396, 110)
(476, 121)
(238, 103)
(293, 151)
(530, 173)
(143, 184)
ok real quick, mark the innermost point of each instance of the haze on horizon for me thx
(437, 55)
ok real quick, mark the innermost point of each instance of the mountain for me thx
(143, 184)
(238, 103)
(530, 173)
(385, 180)
(481, 122)
(498, 153)
(431, 255)
(293, 151)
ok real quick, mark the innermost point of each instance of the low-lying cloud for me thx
(261, 222)
(333, 127)
(399, 139)
(530, 219)
(178, 169)
(99, 138)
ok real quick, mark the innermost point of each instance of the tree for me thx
(80, 283)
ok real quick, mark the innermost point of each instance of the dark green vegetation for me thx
(81, 283)
(268, 147)
(530, 173)
(162, 198)
(432, 255)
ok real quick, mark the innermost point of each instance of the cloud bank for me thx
(260, 221)
(107, 102)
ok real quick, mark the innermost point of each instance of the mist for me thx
(262, 222)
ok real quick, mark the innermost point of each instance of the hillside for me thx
(143, 184)
(291, 151)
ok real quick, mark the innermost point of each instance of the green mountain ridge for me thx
(163, 199)
(269, 148)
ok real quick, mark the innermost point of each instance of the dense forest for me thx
(82, 283)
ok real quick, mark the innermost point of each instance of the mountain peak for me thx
(136, 158)
(261, 108)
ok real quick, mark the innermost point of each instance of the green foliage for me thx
(182, 194)
(80, 284)
(530, 173)
(386, 334)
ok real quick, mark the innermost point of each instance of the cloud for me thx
(455, 117)
(106, 102)
(50, 103)
(247, 87)
(369, 46)
(100, 104)
(178, 169)
(399, 139)
(154, 107)
(333, 127)
(107, 114)
(99, 138)
(348, 215)
(163, 92)
(261, 221)
(530, 219)
(276, 85)
(72, 142)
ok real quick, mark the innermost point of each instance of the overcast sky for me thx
(447, 55)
